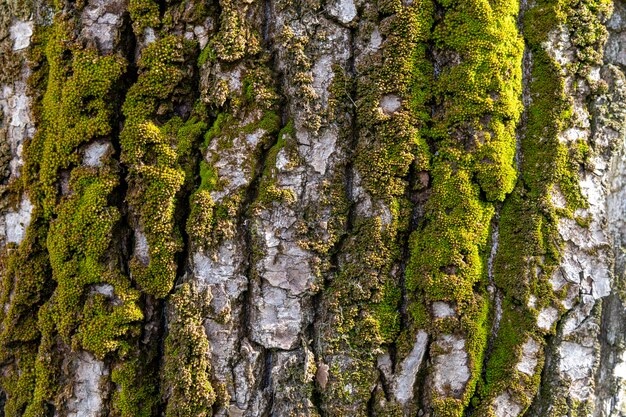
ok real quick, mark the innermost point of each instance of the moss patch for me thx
(186, 370)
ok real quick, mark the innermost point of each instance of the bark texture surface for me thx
(255, 208)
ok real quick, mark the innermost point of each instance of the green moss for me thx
(221, 120)
(52, 281)
(136, 395)
(391, 143)
(270, 123)
(516, 327)
(155, 172)
(364, 295)
(235, 39)
(13, 10)
(529, 235)
(77, 108)
(386, 312)
(201, 224)
(474, 141)
(347, 385)
(78, 241)
(268, 190)
(530, 244)
(258, 92)
(240, 113)
(144, 14)
(287, 130)
(47, 365)
(18, 381)
(186, 383)
(446, 263)
(299, 66)
(185, 137)
(207, 55)
(25, 285)
(69, 237)
(208, 177)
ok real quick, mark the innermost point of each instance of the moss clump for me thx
(268, 190)
(235, 39)
(47, 365)
(186, 370)
(155, 172)
(185, 137)
(200, 224)
(299, 67)
(64, 285)
(78, 241)
(501, 374)
(207, 55)
(245, 126)
(447, 262)
(69, 238)
(137, 395)
(77, 108)
(144, 14)
(25, 286)
(19, 381)
(219, 123)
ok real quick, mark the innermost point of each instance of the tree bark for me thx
(312, 208)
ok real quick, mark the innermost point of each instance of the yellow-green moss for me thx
(77, 243)
(249, 111)
(76, 108)
(529, 243)
(144, 14)
(364, 295)
(235, 39)
(186, 385)
(25, 284)
(53, 281)
(47, 365)
(19, 381)
(155, 172)
(137, 395)
(473, 136)
(391, 143)
(268, 190)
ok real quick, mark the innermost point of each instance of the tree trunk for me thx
(312, 208)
